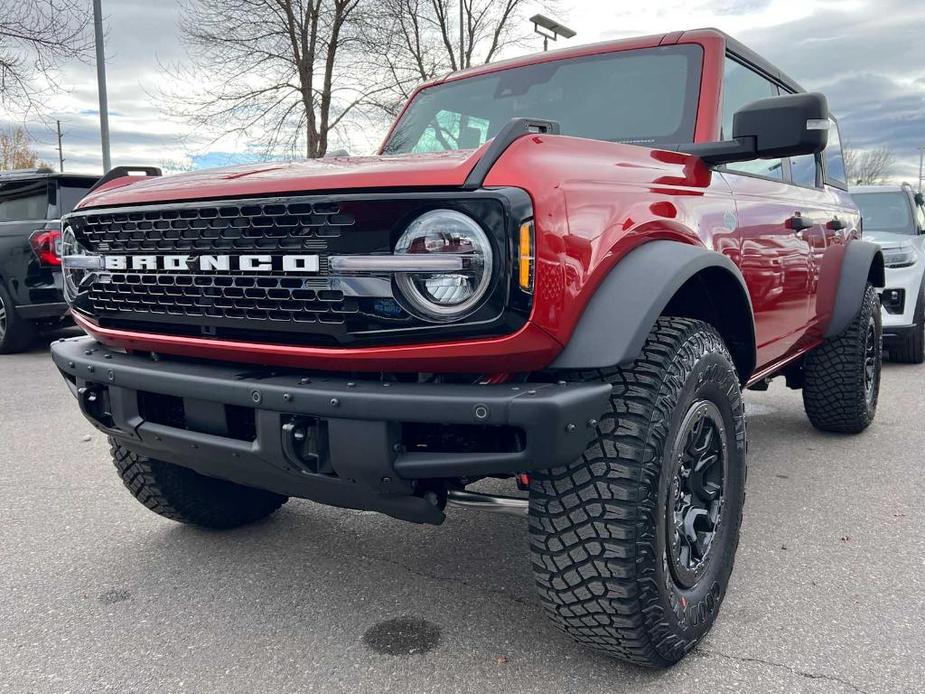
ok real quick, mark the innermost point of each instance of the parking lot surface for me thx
(98, 594)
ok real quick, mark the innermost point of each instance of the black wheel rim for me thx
(696, 492)
(2, 319)
(870, 360)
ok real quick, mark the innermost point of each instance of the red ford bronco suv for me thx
(562, 268)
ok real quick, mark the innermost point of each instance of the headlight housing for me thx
(444, 296)
(903, 255)
(77, 263)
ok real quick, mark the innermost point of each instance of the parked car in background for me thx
(31, 203)
(894, 217)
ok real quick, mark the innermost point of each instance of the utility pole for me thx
(101, 82)
(921, 167)
(60, 150)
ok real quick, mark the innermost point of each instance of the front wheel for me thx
(633, 544)
(842, 376)
(185, 496)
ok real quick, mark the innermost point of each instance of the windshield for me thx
(890, 211)
(647, 96)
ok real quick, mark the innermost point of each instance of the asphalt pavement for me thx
(97, 594)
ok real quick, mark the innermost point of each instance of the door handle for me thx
(837, 225)
(798, 223)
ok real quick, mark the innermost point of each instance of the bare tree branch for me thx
(869, 167)
(418, 40)
(281, 74)
(36, 37)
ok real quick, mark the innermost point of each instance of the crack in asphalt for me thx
(789, 668)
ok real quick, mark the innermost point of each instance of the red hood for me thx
(444, 169)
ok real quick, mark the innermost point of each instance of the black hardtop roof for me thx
(754, 60)
(29, 174)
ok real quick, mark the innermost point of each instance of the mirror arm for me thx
(725, 152)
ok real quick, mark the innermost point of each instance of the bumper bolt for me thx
(480, 412)
(592, 423)
(70, 365)
(287, 397)
(256, 397)
(304, 381)
(570, 428)
(335, 402)
(107, 356)
(111, 375)
(91, 368)
(351, 385)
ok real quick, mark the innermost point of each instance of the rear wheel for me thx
(16, 334)
(633, 544)
(185, 496)
(842, 376)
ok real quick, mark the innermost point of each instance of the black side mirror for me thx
(920, 200)
(779, 126)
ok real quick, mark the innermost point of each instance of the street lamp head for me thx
(550, 29)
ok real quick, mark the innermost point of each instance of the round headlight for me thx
(73, 270)
(445, 295)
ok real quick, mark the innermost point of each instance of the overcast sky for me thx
(868, 56)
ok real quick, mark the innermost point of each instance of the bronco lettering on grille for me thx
(214, 263)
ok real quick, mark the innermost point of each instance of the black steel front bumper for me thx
(339, 442)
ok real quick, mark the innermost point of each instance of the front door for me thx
(774, 232)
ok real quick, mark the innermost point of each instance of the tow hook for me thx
(302, 441)
(94, 404)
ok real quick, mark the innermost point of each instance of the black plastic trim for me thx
(511, 132)
(861, 260)
(372, 469)
(614, 326)
(34, 311)
(122, 171)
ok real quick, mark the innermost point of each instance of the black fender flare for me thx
(614, 326)
(861, 262)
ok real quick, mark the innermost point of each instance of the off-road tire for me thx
(841, 377)
(16, 333)
(911, 349)
(599, 533)
(185, 496)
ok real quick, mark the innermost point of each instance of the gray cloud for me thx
(868, 62)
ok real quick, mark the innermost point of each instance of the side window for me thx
(835, 174)
(742, 86)
(450, 130)
(803, 170)
(22, 201)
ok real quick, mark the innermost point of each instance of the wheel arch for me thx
(862, 263)
(662, 278)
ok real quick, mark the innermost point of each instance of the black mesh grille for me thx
(272, 226)
(264, 298)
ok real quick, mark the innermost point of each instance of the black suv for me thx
(31, 203)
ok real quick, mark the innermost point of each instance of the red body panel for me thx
(593, 203)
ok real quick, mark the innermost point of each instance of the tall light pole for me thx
(550, 29)
(461, 40)
(101, 82)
